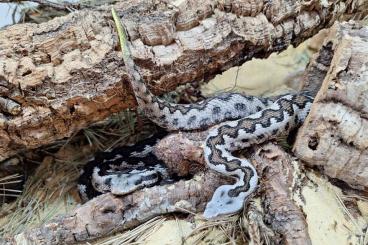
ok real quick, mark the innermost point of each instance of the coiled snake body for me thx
(252, 121)
(259, 120)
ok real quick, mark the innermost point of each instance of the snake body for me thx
(242, 121)
(196, 116)
(260, 120)
(284, 114)
(123, 170)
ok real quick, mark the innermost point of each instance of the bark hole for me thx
(72, 109)
(313, 142)
(27, 73)
(109, 209)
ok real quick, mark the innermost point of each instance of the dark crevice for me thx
(26, 73)
(313, 142)
(109, 209)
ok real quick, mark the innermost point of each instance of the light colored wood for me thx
(335, 134)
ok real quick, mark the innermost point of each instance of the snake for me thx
(123, 170)
(240, 121)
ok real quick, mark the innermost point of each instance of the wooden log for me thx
(60, 76)
(335, 135)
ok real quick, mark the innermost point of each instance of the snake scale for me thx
(241, 122)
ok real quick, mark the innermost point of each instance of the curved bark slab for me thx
(335, 134)
(107, 213)
(60, 76)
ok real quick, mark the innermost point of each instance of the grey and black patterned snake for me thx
(241, 122)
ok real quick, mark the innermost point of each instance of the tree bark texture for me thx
(335, 134)
(60, 76)
(106, 213)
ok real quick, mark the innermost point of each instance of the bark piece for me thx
(107, 213)
(277, 183)
(317, 68)
(185, 156)
(242, 7)
(10, 106)
(334, 136)
(259, 232)
(68, 72)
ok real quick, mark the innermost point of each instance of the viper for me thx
(240, 120)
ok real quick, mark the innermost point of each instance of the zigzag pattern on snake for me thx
(123, 170)
(252, 121)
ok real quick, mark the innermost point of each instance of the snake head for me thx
(222, 204)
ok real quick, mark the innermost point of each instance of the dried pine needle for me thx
(134, 236)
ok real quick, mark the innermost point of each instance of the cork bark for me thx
(62, 75)
(335, 135)
(106, 213)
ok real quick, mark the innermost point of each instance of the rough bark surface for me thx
(335, 134)
(185, 157)
(317, 68)
(107, 213)
(60, 76)
(278, 181)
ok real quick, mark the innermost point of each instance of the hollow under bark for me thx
(60, 76)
